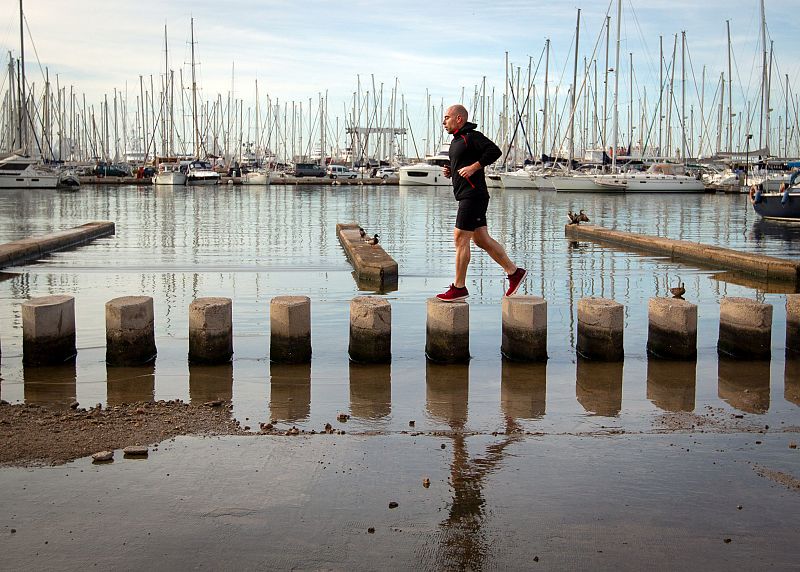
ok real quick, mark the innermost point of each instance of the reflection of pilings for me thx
(671, 384)
(130, 384)
(744, 384)
(600, 329)
(290, 391)
(598, 387)
(791, 381)
(793, 326)
(50, 385)
(130, 331)
(745, 329)
(524, 328)
(210, 383)
(523, 390)
(370, 330)
(290, 329)
(672, 329)
(370, 390)
(48, 330)
(447, 331)
(446, 393)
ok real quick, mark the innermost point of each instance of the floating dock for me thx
(768, 268)
(33, 248)
(224, 180)
(371, 262)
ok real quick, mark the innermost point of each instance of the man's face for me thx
(451, 121)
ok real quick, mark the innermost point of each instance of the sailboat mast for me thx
(22, 96)
(544, 108)
(574, 88)
(730, 91)
(194, 101)
(615, 120)
(763, 76)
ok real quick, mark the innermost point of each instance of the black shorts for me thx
(472, 213)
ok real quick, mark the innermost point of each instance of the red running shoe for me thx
(515, 280)
(453, 294)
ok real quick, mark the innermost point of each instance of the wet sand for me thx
(708, 491)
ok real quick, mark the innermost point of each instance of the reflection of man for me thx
(470, 152)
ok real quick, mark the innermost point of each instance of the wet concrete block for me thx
(793, 326)
(210, 331)
(48, 330)
(524, 328)
(370, 330)
(130, 332)
(745, 329)
(672, 329)
(447, 331)
(290, 329)
(600, 329)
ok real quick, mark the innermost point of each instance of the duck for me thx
(678, 291)
(373, 241)
(362, 232)
(582, 217)
(577, 218)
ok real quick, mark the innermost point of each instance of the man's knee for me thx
(462, 237)
(482, 239)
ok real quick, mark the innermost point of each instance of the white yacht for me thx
(201, 173)
(519, 179)
(169, 174)
(18, 171)
(259, 177)
(430, 173)
(659, 178)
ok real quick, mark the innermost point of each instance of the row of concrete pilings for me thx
(745, 330)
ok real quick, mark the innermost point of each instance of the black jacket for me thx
(467, 147)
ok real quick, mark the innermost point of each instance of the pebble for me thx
(792, 445)
(393, 504)
(371, 530)
(293, 431)
(412, 423)
(215, 403)
(342, 417)
(727, 541)
(103, 456)
(443, 445)
(74, 405)
(135, 451)
(426, 482)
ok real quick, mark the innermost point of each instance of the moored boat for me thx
(781, 205)
(169, 174)
(429, 173)
(19, 171)
(201, 173)
(260, 177)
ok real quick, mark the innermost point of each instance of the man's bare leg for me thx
(462, 239)
(494, 249)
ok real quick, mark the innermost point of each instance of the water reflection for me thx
(447, 393)
(210, 383)
(370, 391)
(130, 384)
(598, 387)
(671, 384)
(523, 390)
(290, 392)
(53, 386)
(791, 381)
(744, 385)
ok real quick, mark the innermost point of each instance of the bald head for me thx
(455, 117)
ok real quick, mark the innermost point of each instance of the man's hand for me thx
(469, 170)
(447, 171)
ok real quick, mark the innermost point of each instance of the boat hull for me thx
(773, 206)
(169, 179)
(512, 181)
(256, 179)
(423, 175)
(580, 184)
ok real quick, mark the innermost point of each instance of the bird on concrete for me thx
(577, 218)
(362, 232)
(678, 291)
(373, 241)
(582, 217)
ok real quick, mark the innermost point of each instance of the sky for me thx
(298, 50)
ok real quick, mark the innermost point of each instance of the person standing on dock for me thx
(470, 152)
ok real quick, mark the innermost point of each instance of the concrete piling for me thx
(370, 330)
(672, 329)
(130, 333)
(290, 329)
(48, 330)
(745, 329)
(600, 329)
(793, 326)
(524, 328)
(210, 331)
(447, 331)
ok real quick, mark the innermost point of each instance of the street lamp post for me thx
(747, 157)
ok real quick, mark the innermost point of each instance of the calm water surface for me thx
(253, 244)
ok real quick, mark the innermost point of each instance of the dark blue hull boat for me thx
(779, 206)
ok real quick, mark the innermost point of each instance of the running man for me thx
(470, 152)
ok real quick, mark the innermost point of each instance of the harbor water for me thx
(251, 244)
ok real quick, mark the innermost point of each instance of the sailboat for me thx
(198, 171)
